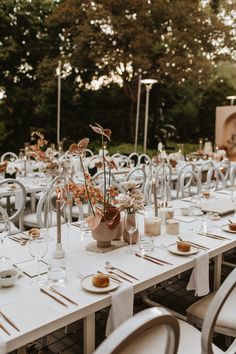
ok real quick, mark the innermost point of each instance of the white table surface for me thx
(37, 315)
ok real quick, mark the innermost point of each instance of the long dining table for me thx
(37, 315)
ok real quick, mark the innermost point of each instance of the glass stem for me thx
(38, 267)
(2, 257)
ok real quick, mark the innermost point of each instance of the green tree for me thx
(173, 41)
(23, 44)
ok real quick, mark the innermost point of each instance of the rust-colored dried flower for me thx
(97, 128)
(73, 149)
(112, 217)
(82, 145)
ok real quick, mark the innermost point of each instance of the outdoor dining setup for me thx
(80, 232)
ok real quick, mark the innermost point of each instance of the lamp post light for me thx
(58, 71)
(148, 83)
(231, 98)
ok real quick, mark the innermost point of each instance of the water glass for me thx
(130, 225)
(206, 223)
(57, 272)
(38, 248)
(195, 204)
(146, 245)
(4, 232)
(233, 198)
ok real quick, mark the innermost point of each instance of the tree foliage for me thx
(106, 44)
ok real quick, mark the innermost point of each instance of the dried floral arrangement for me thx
(133, 200)
(37, 150)
(103, 203)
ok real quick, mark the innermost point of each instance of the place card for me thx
(30, 267)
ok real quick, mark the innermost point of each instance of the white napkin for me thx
(18, 199)
(121, 307)
(2, 346)
(199, 279)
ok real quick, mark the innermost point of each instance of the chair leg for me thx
(147, 301)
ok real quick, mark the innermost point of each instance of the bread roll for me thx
(100, 280)
(183, 246)
(34, 232)
(232, 226)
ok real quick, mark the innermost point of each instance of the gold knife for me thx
(121, 276)
(9, 321)
(62, 295)
(4, 329)
(149, 259)
(53, 297)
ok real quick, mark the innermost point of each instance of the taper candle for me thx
(58, 207)
(154, 189)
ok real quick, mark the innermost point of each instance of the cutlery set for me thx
(9, 321)
(53, 290)
(217, 237)
(18, 239)
(153, 259)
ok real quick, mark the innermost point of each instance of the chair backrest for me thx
(98, 178)
(20, 197)
(113, 183)
(150, 331)
(202, 171)
(46, 207)
(138, 175)
(213, 311)
(224, 166)
(232, 175)
(88, 152)
(186, 167)
(215, 179)
(133, 157)
(144, 159)
(188, 180)
(163, 174)
(8, 156)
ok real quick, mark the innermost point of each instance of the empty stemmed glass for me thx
(195, 206)
(233, 198)
(4, 232)
(131, 225)
(38, 247)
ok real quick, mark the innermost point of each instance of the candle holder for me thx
(59, 252)
(200, 148)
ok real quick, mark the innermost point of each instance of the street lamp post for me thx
(231, 98)
(59, 102)
(137, 115)
(148, 83)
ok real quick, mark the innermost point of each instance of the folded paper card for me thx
(30, 267)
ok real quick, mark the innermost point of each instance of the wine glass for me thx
(38, 247)
(195, 206)
(131, 225)
(4, 231)
(233, 198)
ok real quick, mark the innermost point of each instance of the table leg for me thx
(21, 350)
(217, 271)
(89, 334)
(33, 202)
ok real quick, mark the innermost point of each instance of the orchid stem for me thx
(86, 187)
(104, 172)
(109, 184)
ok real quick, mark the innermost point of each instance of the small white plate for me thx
(86, 284)
(173, 249)
(226, 228)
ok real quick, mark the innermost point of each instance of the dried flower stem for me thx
(109, 183)
(86, 187)
(104, 172)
